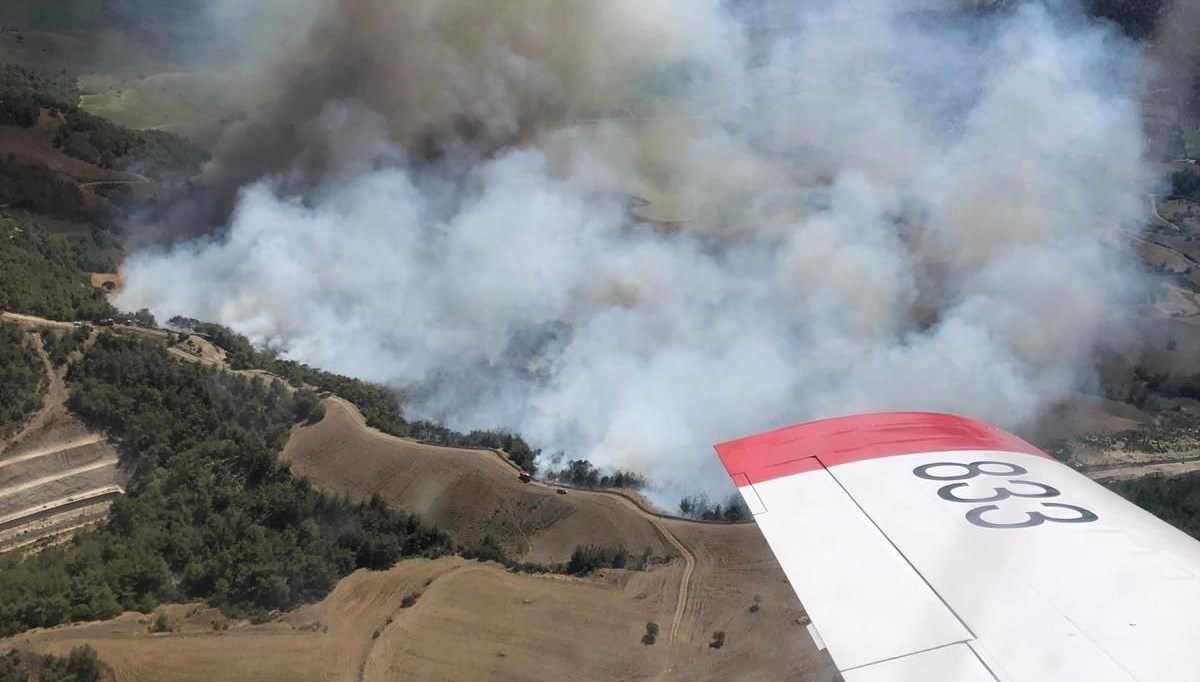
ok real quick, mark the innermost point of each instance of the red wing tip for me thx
(841, 440)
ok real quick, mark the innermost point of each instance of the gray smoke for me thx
(631, 229)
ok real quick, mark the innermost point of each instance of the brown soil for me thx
(469, 493)
(37, 144)
(99, 279)
(1086, 415)
(478, 622)
(196, 349)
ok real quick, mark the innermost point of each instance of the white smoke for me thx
(887, 209)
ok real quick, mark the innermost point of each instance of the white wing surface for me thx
(928, 547)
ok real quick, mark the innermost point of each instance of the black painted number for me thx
(959, 473)
(975, 516)
(928, 471)
(946, 492)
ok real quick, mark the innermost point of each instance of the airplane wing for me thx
(930, 548)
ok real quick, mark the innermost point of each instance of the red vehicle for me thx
(104, 322)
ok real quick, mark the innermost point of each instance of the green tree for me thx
(651, 633)
(21, 375)
(161, 623)
(209, 512)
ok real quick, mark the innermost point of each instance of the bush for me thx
(409, 600)
(651, 633)
(161, 623)
(718, 640)
(80, 665)
(489, 550)
(589, 558)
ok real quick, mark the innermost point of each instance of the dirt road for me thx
(52, 449)
(36, 321)
(107, 462)
(138, 180)
(1124, 473)
(1158, 216)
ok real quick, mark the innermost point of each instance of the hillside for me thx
(703, 579)
(469, 493)
(472, 622)
(197, 508)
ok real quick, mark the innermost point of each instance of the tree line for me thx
(379, 404)
(209, 512)
(699, 507)
(581, 473)
(584, 560)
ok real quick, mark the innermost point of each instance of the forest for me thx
(209, 512)
(41, 275)
(20, 376)
(1174, 499)
(34, 187)
(23, 92)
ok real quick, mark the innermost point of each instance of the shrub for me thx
(651, 633)
(161, 623)
(718, 639)
(80, 665)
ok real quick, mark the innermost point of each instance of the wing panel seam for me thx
(904, 557)
(918, 653)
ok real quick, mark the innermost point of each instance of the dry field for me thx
(477, 621)
(470, 493)
(473, 622)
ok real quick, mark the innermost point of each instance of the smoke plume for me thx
(628, 230)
